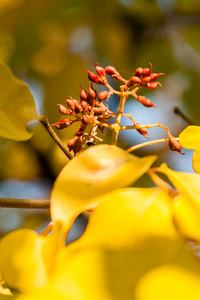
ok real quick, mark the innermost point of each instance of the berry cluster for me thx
(90, 109)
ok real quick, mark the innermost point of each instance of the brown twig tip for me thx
(179, 112)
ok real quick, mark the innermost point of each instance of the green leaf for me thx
(190, 137)
(17, 106)
(93, 173)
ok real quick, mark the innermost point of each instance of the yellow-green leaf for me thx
(190, 137)
(26, 259)
(196, 161)
(17, 106)
(93, 173)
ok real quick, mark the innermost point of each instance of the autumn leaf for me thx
(26, 259)
(93, 173)
(187, 204)
(190, 139)
(17, 106)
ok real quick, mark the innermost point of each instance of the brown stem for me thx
(24, 203)
(147, 144)
(183, 116)
(52, 133)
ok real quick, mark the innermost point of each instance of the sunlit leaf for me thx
(190, 137)
(17, 106)
(129, 233)
(26, 259)
(92, 173)
(186, 183)
(186, 207)
(176, 281)
(187, 218)
(196, 161)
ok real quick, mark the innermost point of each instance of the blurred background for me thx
(50, 43)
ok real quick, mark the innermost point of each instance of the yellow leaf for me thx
(17, 106)
(179, 280)
(187, 205)
(187, 183)
(26, 260)
(196, 161)
(190, 137)
(187, 218)
(129, 233)
(93, 173)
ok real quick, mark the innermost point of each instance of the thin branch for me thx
(147, 144)
(24, 203)
(52, 133)
(183, 116)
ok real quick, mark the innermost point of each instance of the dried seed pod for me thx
(147, 71)
(86, 119)
(112, 72)
(78, 107)
(100, 110)
(64, 110)
(92, 95)
(63, 123)
(75, 144)
(174, 145)
(138, 72)
(84, 105)
(83, 94)
(146, 102)
(153, 85)
(133, 81)
(100, 71)
(142, 131)
(93, 77)
(154, 76)
(80, 130)
(146, 79)
(70, 104)
(103, 96)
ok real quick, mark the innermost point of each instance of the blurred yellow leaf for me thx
(187, 183)
(187, 218)
(196, 161)
(92, 173)
(130, 250)
(186, 206)
(123, 216)
(129, 233)
(26, 259)
(176, 281)
(17, 106)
